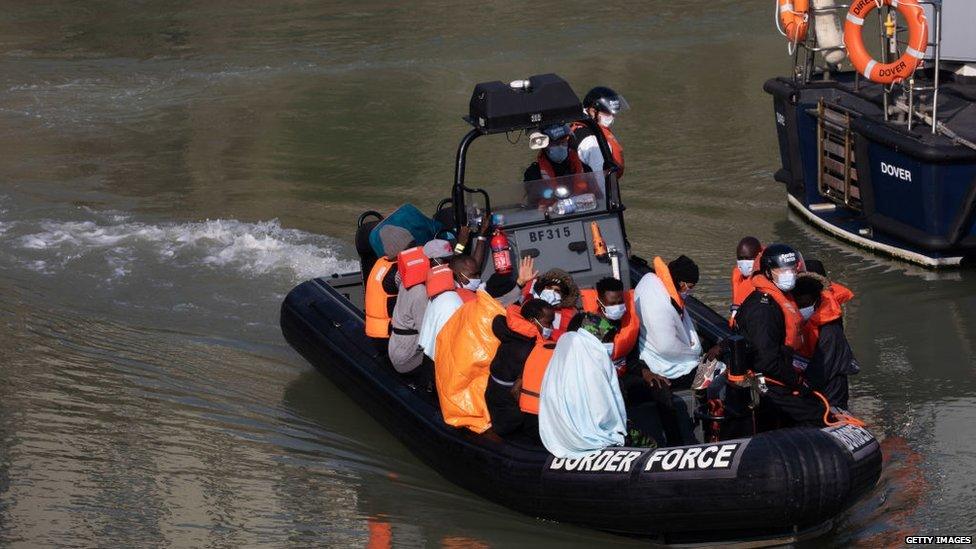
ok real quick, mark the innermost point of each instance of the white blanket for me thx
(581, 409)
(668, 341)
(439, 311)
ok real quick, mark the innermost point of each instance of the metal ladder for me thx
(837, 178)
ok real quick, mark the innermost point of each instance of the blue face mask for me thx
(558, 153)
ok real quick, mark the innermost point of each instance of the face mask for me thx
(806, 312)
(684, 294)
(557, 153)
(745, 266)
(546, 332)
(615, 312)
(609, 348)
(605, 119)
(473, 284)
(551, 297)
(785, 280)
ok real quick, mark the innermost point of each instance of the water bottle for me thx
(585, 202)
(563, 206)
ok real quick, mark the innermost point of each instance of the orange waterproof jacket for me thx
(829, 310)
(465, 347)
(626, 338)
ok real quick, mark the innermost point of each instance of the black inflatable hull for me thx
(775, 484)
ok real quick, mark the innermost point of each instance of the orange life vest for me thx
(532, 374)
(791, 315)
(412, 265)
(626, 338)
(440, 279)
(377, 300)
(662, 272)
(564, 317)
(829, 310)
(616, 149)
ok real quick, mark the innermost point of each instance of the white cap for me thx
(438, 249)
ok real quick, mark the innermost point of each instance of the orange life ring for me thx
(904, 66)
(793, 16)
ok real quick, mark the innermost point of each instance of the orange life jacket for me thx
(532, 374)
(547, 170)
(616, 149)
(440, 279)
(412, 265)
(564, 317)
(791, 315)
(626, 338)
(518, 323)
(828, 310)
(662, 272)
(377, 300)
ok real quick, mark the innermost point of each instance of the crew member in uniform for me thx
(601, 104)
(557, 160)
(772, 324)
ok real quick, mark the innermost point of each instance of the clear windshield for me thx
(516, 203)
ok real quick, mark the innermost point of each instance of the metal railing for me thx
(804, 67)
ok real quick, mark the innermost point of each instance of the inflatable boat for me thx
(883, 156)
(774, 487)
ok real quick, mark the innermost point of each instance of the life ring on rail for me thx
(793, 16)
(904, 66)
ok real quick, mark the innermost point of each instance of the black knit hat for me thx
(499, 285)
(683, 269)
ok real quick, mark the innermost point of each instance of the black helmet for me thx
(605, 99)
(777, 256)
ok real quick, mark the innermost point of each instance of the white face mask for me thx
(745, 266)
(557, 153)
(546, 332)
(785, 280)
(609, 348)
(551, 297)
(806, 312)
(473, 284)
(615, 312)
(605, 120)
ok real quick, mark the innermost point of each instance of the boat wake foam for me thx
(250, 249)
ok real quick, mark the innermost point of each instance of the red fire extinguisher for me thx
(500, 255)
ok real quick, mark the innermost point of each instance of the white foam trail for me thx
(249, 248)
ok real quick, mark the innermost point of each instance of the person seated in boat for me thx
(668, 343)
(382, 284)
(603, 105)
(746, 253)
(557, 288)
(446, 294)
(405, 354)
(581, 408)
(558, 159)
(827, 355)
(520, 331)
(772, 324)
(609, 300)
